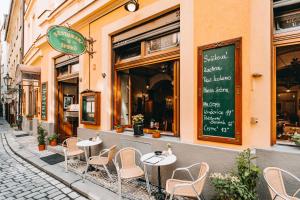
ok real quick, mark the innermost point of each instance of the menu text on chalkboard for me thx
(44, 91)
(219, 92)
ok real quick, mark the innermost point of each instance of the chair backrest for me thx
(203, 172)
(71, 143)
(112, 152)
(128, 157)
(273, 177)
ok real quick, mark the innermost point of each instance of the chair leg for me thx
(171, 196)
(66, 163)
(147, 181)
(202, 197)
(120, 187)
(108, 173)
(85, 172)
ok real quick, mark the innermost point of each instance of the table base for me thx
(159, 195)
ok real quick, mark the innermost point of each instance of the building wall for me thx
(202, 22)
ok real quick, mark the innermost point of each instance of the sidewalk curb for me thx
(48, 172)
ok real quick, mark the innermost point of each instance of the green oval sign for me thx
(66, 40)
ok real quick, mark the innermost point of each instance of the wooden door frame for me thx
(282, 40)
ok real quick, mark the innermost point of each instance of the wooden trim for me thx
(44, 83)
(162, 56)
(97, 96)
(238, 92)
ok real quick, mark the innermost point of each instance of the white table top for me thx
(166, 159)
(88, 143)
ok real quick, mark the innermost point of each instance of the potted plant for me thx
(138, 125)
(240, 183)
(29, 116)
(296, 139)
(156, 134)
(119, 128)
(53, 139)
(41, 138)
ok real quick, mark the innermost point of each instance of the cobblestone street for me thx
(21, 180)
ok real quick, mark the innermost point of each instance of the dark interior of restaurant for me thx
(288, 92)
(149, 91)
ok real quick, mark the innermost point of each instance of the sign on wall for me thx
(44, 101)
(219, 92)
(66, 40)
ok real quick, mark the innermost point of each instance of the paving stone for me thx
(23, 181)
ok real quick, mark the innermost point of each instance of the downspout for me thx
(20, 89)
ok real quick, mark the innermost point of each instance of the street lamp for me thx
(7, 80)
(132, 5)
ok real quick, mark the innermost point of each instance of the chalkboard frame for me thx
(44, 83)
(237, 42)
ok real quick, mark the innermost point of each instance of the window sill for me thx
(148, 136)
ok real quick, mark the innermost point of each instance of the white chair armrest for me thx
(294, 195)
(103, 151)
(186, 169)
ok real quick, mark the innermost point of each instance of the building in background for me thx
(4, 69)
(214, 77)
(14, 37)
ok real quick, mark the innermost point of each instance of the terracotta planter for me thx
(53, 143)
(42, 147)
(120, 130)
(156, 134)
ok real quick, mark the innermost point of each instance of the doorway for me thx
(287, 93)
(68, 95)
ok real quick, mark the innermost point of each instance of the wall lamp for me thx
(132, 6)
(7, 80)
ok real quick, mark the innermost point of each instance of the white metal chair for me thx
(274, 179)
(129, 168)
(186, 188)
(71, 150)
(102, 160)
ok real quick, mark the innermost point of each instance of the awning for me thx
(28, 72)
(30, 69)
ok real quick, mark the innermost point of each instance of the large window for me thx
(149, 91)
(288, 93)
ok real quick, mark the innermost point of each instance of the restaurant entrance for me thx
(287, 93)
(67, 97)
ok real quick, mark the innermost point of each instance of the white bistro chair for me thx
(274, 179)
(103, 159)
(128, 168)
(186, 188)
(71, 150)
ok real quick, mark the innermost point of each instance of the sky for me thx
(4, 8)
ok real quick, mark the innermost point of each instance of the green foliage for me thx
(41, 135)
(52, 137)
(118, 126)
(296, 138)
(241, 183)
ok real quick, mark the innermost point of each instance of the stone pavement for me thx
(21, 180)
(23, 175)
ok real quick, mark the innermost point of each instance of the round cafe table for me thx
(165, 159)
(87, 144)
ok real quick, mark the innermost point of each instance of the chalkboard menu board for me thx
(219, 92)
(44, 90)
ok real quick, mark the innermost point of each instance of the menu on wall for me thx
(44, 91)
(218, 92)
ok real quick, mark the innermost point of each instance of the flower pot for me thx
(120, 130)
(138, 130)
(156, 134)
(42, 147)
(53, 142)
